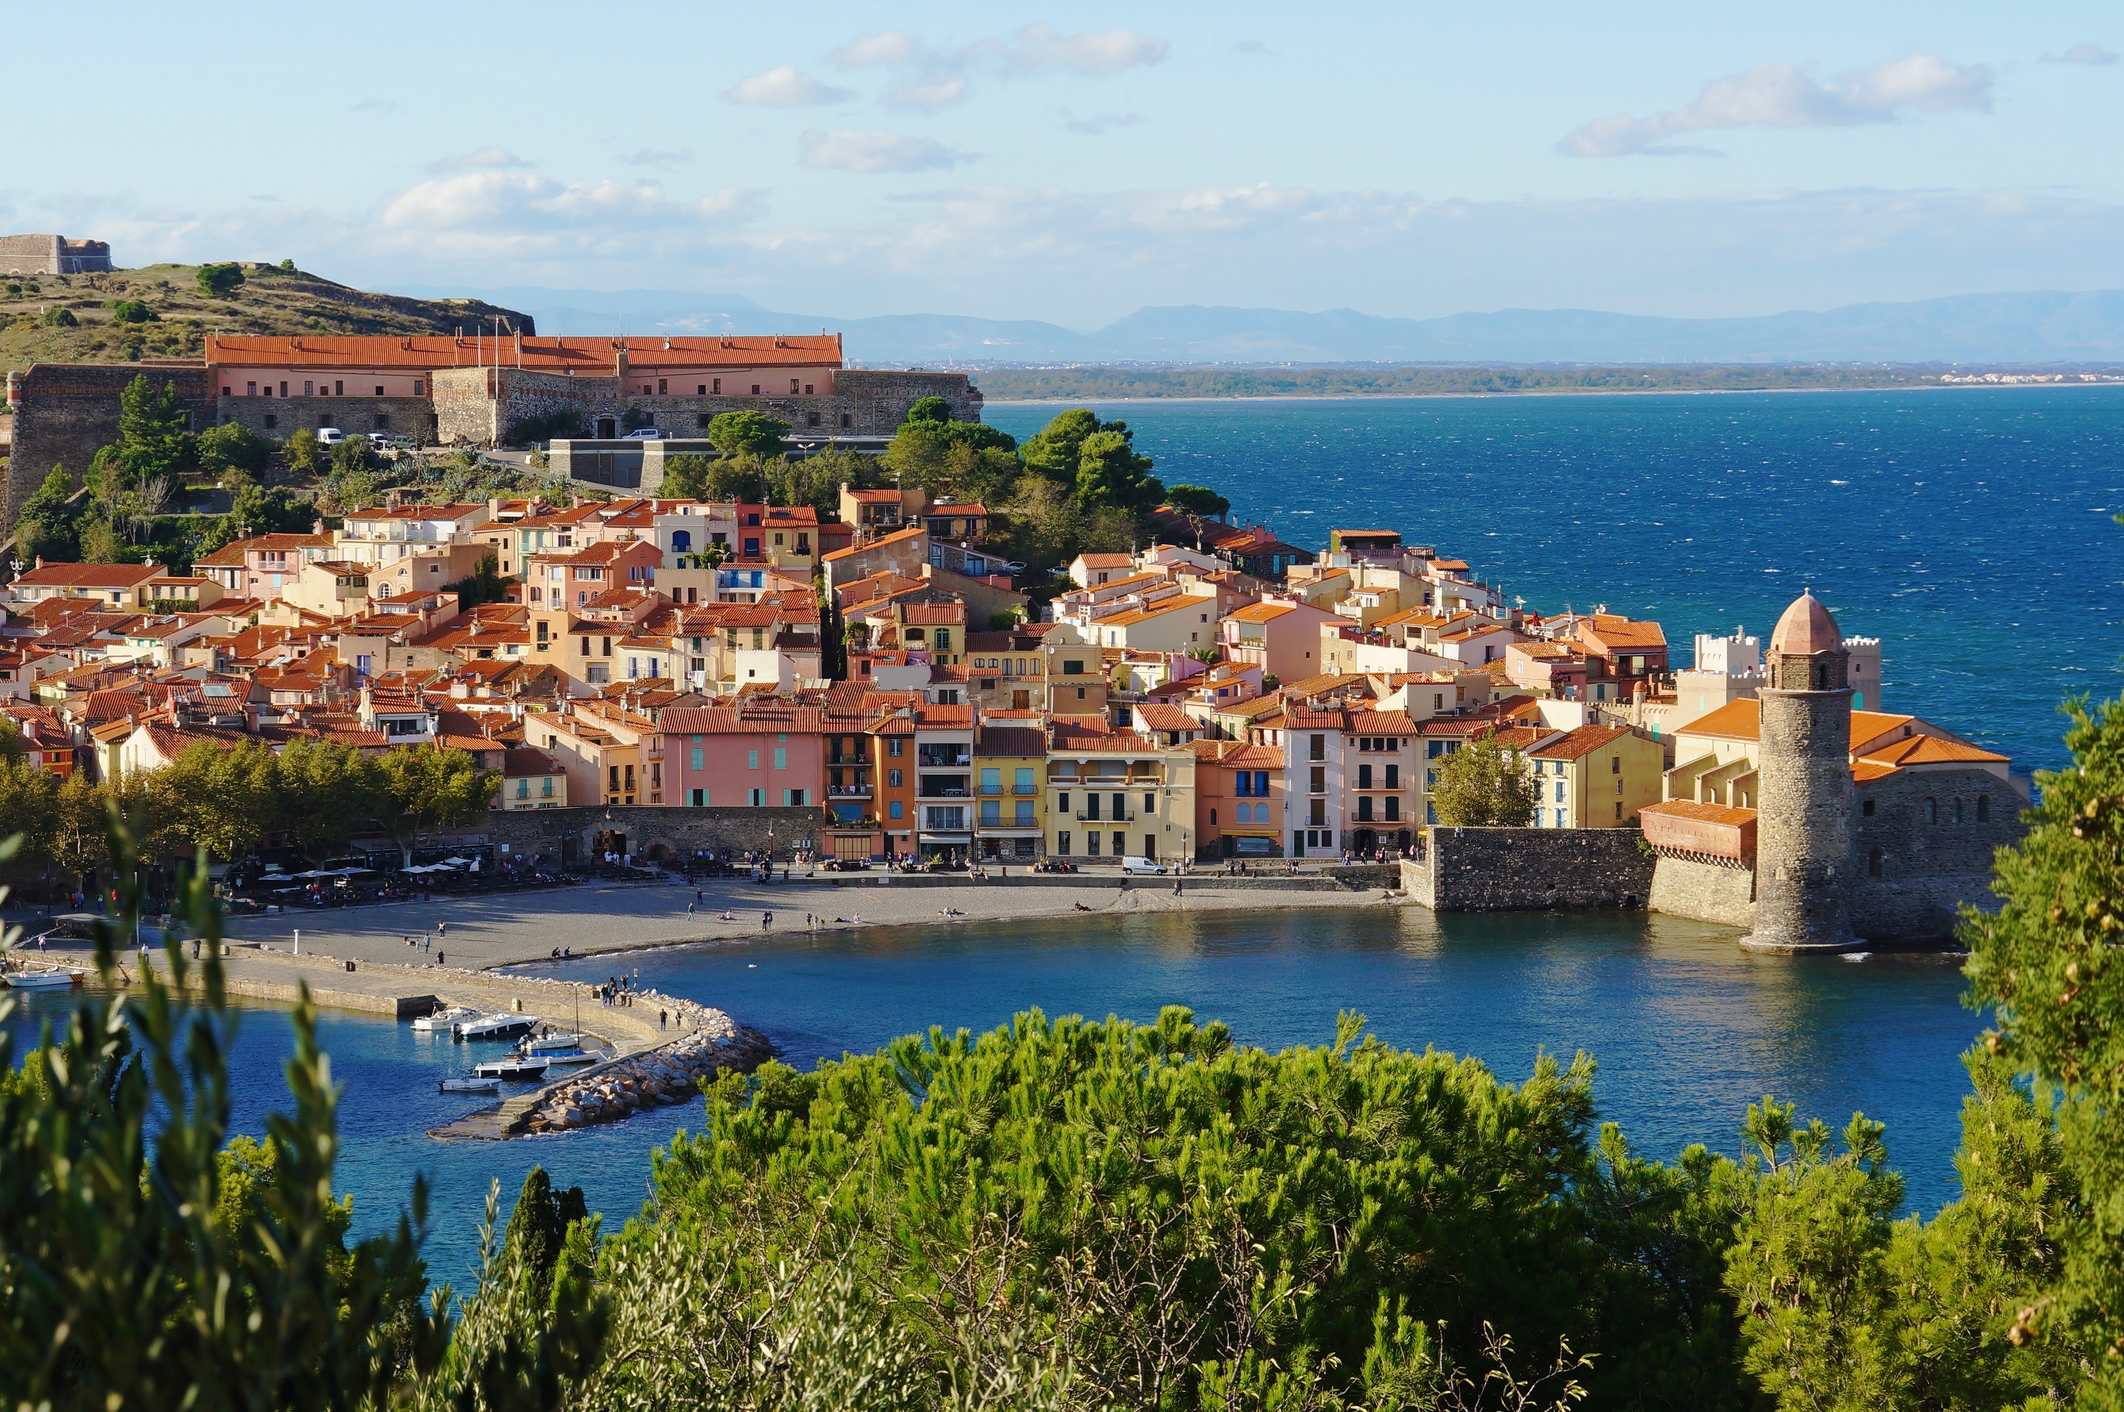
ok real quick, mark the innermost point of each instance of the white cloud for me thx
(937, 78)
(784, 87)
(485, 159)
(1786, 95)
(2083, 53)
(876, 152)
(891, 49)
(1037, 48)
(1099, 124)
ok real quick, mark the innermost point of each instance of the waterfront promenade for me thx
(594, 919)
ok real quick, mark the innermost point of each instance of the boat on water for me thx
(471, 1085)
(498, 1026)
(445, 1018)
(22, 978)
(570, 1056)
(514, 1066)
(552, 1043)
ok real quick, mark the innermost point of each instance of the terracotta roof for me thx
(1159, 717)
(1106, 561)
(1010, 740)
(1806, 628)
(896, 537)
(1931, 750)
(1742, 720)
(594, 356)
(89, 575)
(1260, 612)
(1612, 632)
(524, 760)
(1706, 813)
(1581, 742)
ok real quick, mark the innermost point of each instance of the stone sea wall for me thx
(706, 1042)
(1530, 870)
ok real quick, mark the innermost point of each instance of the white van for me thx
(330, 436)
(1134, 866)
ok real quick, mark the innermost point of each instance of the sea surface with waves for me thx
(1970, 531)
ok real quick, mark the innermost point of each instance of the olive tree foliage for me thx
(1485, 784)
(2051, 966)
(147, 1262)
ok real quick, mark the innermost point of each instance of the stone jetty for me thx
(707, 1042)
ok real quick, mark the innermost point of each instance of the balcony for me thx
(940, 792)
(1093, 816)
(848, 791)
(931, 758)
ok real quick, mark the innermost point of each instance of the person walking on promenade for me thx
(766, 920)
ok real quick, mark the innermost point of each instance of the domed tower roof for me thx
(1806, 628)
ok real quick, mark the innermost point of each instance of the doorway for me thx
(607, 428)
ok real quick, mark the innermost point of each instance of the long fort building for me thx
(472, 390)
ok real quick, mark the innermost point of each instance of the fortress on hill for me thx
(470, 390)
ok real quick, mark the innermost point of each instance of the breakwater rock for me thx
(708, 1042)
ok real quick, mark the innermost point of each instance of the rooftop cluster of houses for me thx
(1221, 694)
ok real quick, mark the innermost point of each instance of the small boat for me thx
(551, 1043)
(570, 1056)
(445, 1018)
(471, 1085)
(26, 979)
(513, 1067)
(499, 1026)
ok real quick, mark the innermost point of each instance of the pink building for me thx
(1280, 637)
(764, 752)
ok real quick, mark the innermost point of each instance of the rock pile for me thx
(669, 1074)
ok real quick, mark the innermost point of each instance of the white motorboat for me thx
(570, 1056)
(498, 1026)
(471, 1085)
(551, 1043)
(23, 978)
(445, 1018)
(514, 1066)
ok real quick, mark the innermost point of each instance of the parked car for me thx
(330, 436)
(643, 434)
(1134, 866)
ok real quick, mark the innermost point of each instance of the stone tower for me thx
(1803, 867)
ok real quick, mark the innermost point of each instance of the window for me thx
(892, 777)
(1062, 803)
(1022, 780)
(1866, 808)
(1364, 775)
(755, 389)
(1091, 842)
(1873, 862)
(271, 421)
(847, 420)
(1618, 810)
(896, 810)
(892, 748)
(1983, 808)
(523, 789)
(250, 389)
(991, 813)
(661, 387)
(1559, 791)
(1615, 765)
(699, 798)
(547, 790)
(1213, 817)
(379, 389)
(759, 798)
(781, 759)
(752, 759)
(696, 761)
(1025, 813)
(1150, 804)
(1958, 811)
(1393, 776)
(1932, 811)
(1318, 750)
(1393, 808)
(1364, 808)
(1062, 841)
(416, 387)
(991, 780)
(339, 388)
(1618, 790)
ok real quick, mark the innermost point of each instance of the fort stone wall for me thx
(654, 831)
(1708, 892)
(1927, 848)
(69, 412)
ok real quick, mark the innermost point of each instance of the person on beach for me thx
(663, 1018)
(766, 920)
(441, 960)
(689, 908)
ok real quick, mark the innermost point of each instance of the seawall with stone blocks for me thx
(1530, 870)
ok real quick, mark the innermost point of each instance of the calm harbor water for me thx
(1970, 531)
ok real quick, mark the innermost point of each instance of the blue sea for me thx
(1970, 530)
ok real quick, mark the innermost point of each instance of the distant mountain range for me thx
(2042, 327)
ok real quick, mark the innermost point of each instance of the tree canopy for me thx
(1484, 784)
(747, 433)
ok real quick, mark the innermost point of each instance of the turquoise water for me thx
(1969, 530)
(1688, 1030)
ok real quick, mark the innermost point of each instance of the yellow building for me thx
(531, 779)
(1596, 777)
(1010, 805)
(1112, 794)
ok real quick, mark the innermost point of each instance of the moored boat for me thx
(515, 1066)
(498, 1026)
(19, 976)
(445, 1017)
(554, 1043)
(570, 1056)
(470, 1085)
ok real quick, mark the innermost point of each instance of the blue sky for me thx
(1072, 164)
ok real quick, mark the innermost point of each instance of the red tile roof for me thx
(592, 356)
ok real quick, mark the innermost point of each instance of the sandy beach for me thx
(484, 932)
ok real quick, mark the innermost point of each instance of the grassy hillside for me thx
(271, 299)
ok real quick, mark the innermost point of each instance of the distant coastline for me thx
(1040, 386)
